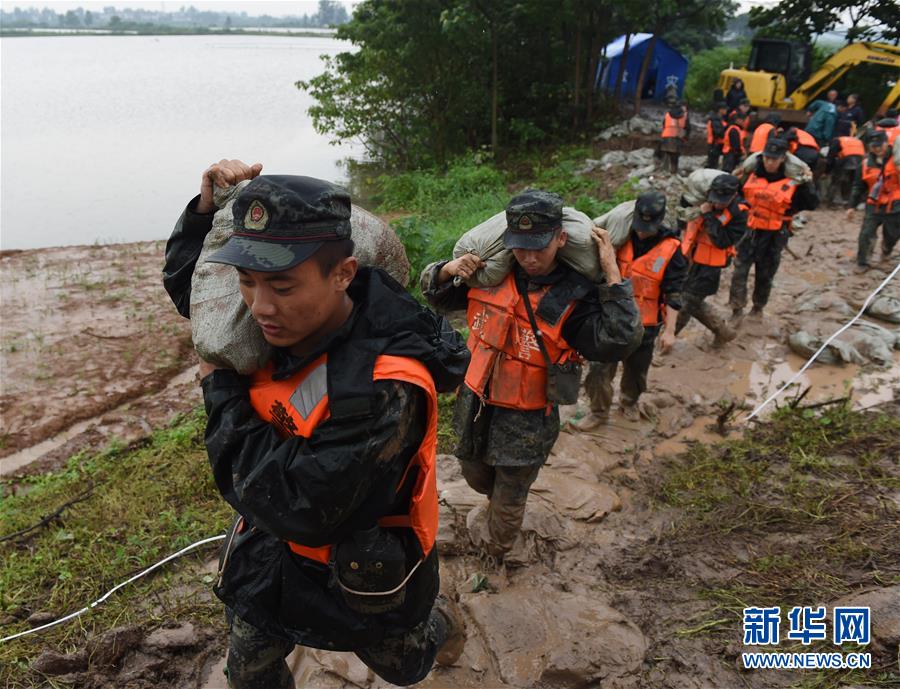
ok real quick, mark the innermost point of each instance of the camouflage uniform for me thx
(256, 659)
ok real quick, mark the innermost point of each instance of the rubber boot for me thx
(455, 641)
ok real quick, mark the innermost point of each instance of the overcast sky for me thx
(272, 7)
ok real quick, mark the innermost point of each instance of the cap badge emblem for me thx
(525, 223)
(257, 217)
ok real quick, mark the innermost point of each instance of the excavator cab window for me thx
(793, 60)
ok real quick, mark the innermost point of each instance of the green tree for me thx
(807, 19)
(703, 73)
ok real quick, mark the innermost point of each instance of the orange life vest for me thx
(646, 274)
(760, 136)
(296, 405)
(507, 367)
(726, 147)
(711, 137)
(674, 128)
(804, 138)
(697, 245)
(770, 202)
(889, 192)
(850, 146)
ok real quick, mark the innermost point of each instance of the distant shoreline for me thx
(166, 31)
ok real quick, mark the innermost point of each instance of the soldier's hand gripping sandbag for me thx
(698, 184)
(486, 242)
(223, 330)
(617, 222)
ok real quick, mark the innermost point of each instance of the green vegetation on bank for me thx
(142, 504)
(439, 206)
(804, 507)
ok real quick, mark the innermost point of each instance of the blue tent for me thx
(667, 66)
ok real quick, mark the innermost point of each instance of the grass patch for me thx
(802, 506)
(146, 503)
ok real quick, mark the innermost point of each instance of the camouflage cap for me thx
(877, 137)
(649, 212)
(531, 219)
(282, 220)
(723, 188)
(776, 148)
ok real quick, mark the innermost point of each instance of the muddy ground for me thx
(93, 352)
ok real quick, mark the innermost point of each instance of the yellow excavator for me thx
(777, 77)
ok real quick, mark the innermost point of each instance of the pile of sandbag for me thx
(222, 327)
(486, 242)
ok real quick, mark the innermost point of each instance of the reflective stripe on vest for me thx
(888, 192)
(850, 146)
(297, 405)
(760, 136)
(769, 202)
(697, 245)
(711, 137)
(726, 147)
(646, 274)
(672, 128)
(507, 367)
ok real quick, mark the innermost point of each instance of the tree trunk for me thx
(623, 58)
(494, 90)
(590, 81)
(645, 65)
(577, 102)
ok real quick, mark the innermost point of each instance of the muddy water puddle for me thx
(866, 386)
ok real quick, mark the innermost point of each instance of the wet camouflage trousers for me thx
(713, 153)
(731, 161)
(695, 306)
(599, 381)
(507, 489)
(890, 224)
(760, 250)
(256, 659)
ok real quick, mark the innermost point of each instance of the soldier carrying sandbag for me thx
(527, 337)
(651, 256)
(327, 453)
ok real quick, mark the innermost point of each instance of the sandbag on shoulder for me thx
(617, 222)
(486, 241)
(222, 328)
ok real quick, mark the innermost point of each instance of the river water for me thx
(104, 138)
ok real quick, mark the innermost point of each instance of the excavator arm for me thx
(838, 64)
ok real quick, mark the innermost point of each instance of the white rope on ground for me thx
(114, 589)
(826, 343)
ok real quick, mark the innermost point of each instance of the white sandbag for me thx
(222, 328)
(698, 184)
(486, 241)
(794, 168)
(617, 222)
